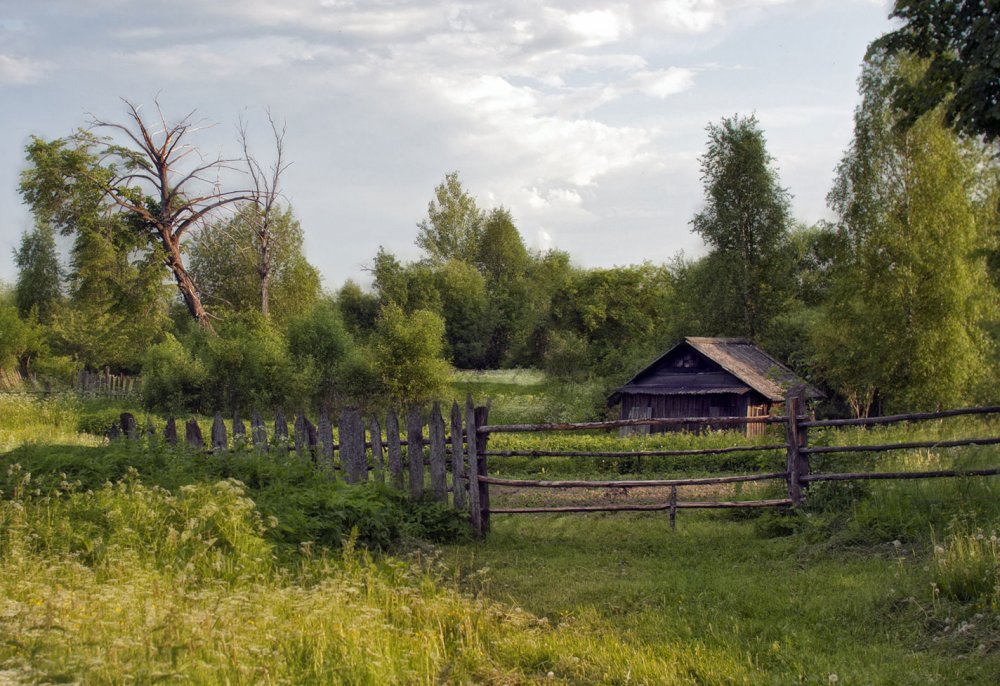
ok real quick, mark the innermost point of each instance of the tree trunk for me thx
(186, 286)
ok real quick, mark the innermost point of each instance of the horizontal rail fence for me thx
(796, 476)
(351, 444)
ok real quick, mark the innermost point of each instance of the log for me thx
(694, 505)
(458, 481)
(415, 451)
(438, 460)
(617, 423)
(936, 474)
(699, 481)
(899, 446)
(395, 452)
(910, 417)
(634, 453)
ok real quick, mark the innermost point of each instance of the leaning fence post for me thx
(475, 513)
(798, 462)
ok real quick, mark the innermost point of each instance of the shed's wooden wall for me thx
(706, 405)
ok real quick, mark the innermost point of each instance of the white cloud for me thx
(20, 71)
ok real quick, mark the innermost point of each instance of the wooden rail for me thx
(936, 474)
(895, 418)
(697, 481)
(680, 505)
(634, 453)
(618, 423)
(898, 446)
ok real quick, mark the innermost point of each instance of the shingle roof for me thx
(750, 364)
(742, 359)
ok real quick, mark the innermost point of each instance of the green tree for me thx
(906, 320)
(227, 267)
(39, 274)
(117, 304)
(408, 354)
(358, 309)
(319, 343)
(960, 39)
(454, 224)
(466, 309)
(745, 221)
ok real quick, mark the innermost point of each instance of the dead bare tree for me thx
(157, 185)
(266, 193)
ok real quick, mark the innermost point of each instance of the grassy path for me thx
(731, 606)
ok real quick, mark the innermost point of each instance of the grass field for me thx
(137, 564)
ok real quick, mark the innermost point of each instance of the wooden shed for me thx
(708, 377)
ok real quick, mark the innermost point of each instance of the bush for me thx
(409, 354)
(172, 379)
(319, 343)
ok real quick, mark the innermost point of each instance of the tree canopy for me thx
(960, 39)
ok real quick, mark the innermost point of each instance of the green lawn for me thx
(729, 605)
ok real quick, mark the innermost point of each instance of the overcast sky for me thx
(586, 119)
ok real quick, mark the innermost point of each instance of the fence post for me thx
(377, 460)
(482, 418)
(219, 438)
(798, 462)
(393, 449)
(475, 513)
(457, 458)
(439, 478)
(673, 508)
(415, 450)
(326, 440)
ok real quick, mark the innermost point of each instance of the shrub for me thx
(408, 354)
(248, 366)
(172, 379)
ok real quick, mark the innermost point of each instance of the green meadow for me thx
(136, 563)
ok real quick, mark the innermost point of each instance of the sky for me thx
(585, 119)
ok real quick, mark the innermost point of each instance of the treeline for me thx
(893, 304)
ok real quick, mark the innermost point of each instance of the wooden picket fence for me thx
(102, 384)
(354, 454)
